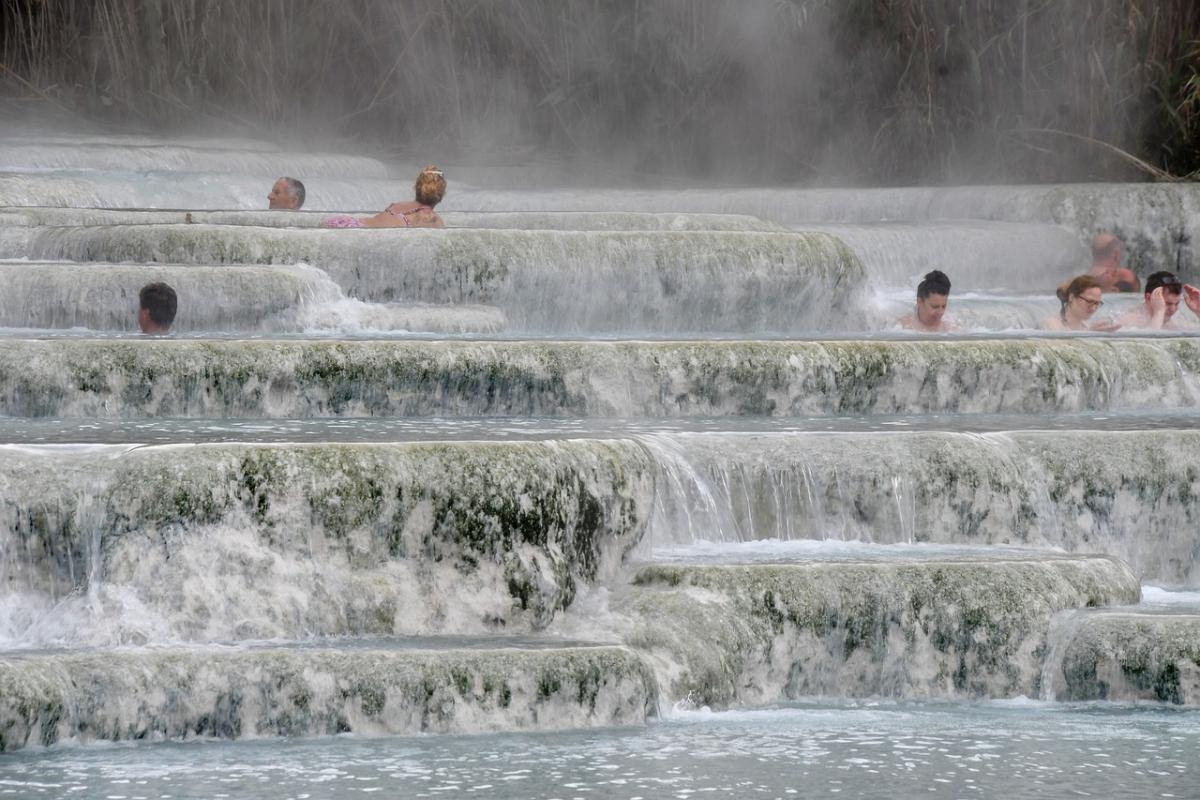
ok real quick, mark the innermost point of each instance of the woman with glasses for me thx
(1081, 298)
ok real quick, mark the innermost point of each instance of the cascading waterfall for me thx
(338, 530)
(979, 256)
(648, 474)
(1158, 222)
(561, 282)
(1071, 490)
(589, 378)
(250, 299)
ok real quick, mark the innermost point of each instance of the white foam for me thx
(833, 550)
(1168, 598)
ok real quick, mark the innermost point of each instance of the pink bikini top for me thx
(404, 215)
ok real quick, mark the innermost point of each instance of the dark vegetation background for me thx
(777, 91)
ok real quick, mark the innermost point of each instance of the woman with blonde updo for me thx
(418, 213)
(1081, 298)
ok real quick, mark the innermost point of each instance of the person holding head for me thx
(1081, 298)
(1106, 265)
(1160, 302)
(286, 194)
(157, 303)
(418, 213)
(933, 297)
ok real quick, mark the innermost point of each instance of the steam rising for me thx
(789, 90)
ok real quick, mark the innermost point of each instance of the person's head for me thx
(1106, 252)
(286, 193)
(1172, 290)
(431, 186)
(933, 296)
(157, 303)
(1081, 297)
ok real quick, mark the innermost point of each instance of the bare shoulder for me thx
(1051, 323)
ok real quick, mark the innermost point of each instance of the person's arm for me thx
(342, 221)
(1158, 309)
(1191, 296)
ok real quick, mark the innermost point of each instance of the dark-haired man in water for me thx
(286, 193)
(157, 303)
(1164, 291)
(933, 298)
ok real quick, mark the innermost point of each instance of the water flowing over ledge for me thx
(978, 256)
(1131, 495)
(154, 377)
(235, 693)
(223, 543)
(1159, 222)
(620, 526)
(248, 299)
(118, 544)
(1126, 657)
(753, 634)
(522, 220)
(557, 281)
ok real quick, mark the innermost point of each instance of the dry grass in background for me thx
(857, 91)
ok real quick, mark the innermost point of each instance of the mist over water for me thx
(912, 92)
(627, 480)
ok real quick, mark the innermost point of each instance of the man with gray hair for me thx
(286, 193)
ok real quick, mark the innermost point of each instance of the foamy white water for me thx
(371, 489)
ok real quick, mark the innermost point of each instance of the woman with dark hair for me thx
(1081, 298)
(933, 298)
(430, 188)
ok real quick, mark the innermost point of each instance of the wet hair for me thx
(1074, 288)
(161, 301)
(431, 186)
(295, 189)
(935, 282)
(1105, 246)
(1167, 280)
